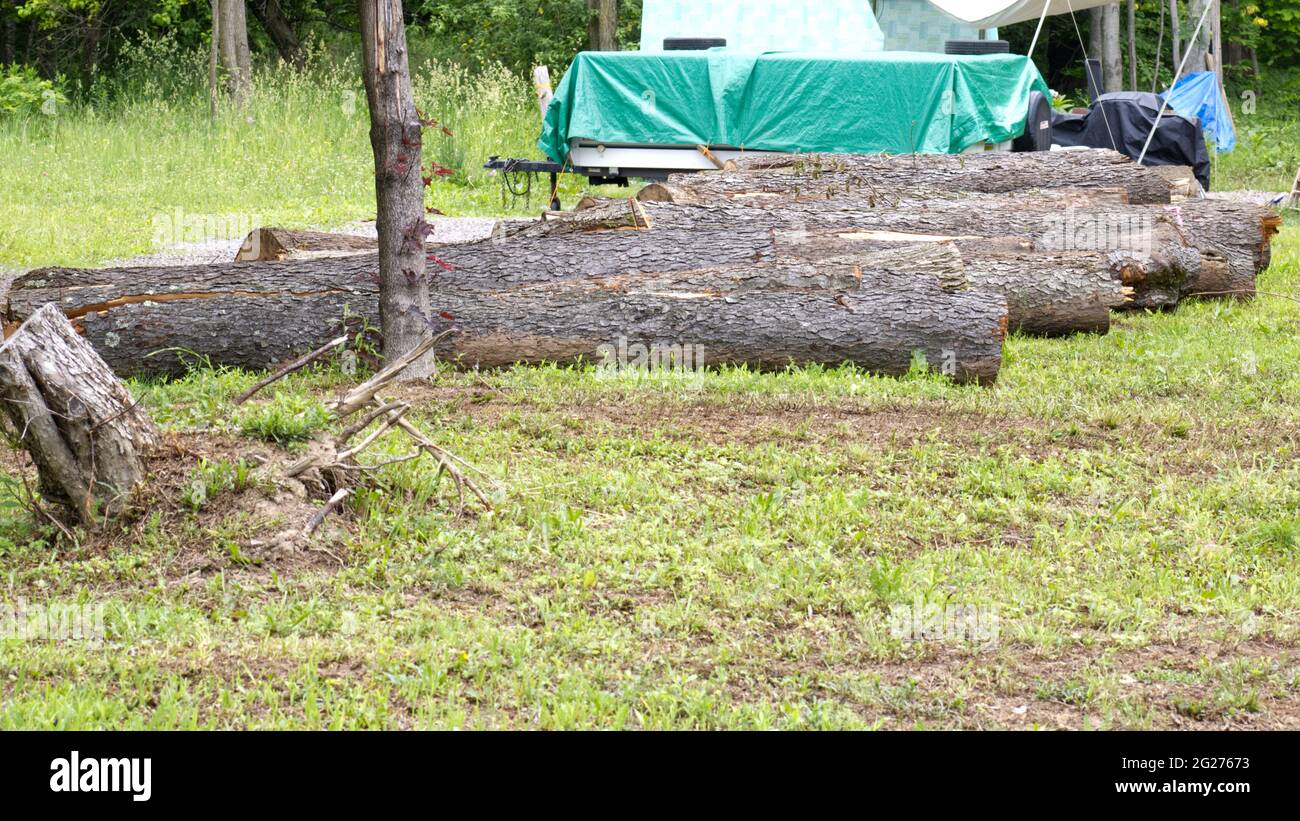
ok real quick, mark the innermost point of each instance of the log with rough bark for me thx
(83, 429)
(257, 315)
(1140, 246)
(990, 173)
(159, 319)
(1049, 291)
(1234, 238)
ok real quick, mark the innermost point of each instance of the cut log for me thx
(265, 244)
(881, 326)
(256, 315)
(159, 319)
(1140, 246)
(773, 189)
(86, 434)
(1234, 238)
(990, 173)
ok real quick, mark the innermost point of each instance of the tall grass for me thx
(89, 182)
(1268, 136)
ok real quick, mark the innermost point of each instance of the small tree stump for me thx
(79, 423)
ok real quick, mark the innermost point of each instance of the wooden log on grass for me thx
(1139, 247)
(989, 173)
(257, 315)
(1234, 238)
(1049, 293)
(159, 320)
(83, 429)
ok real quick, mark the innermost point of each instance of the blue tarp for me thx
(1197, 95)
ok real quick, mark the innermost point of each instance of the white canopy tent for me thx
(987, 14)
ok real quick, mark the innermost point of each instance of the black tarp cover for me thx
(1130, 114)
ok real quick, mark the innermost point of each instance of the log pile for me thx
(832, 259)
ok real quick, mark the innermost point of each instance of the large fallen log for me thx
(255, 315)
(1139, 246)
(1234, 238)
(1048, 292)
(990, 173)
(83, 429)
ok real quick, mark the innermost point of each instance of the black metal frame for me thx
(514, 165)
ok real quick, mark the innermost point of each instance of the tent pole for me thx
(1164, 104)
(1041, 18)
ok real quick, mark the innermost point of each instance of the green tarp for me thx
(891, 101)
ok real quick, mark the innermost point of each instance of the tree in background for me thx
(1111, 60)
(602, 25)
(8, 32)
(272, 18)
(230, 46)
(1196, 50)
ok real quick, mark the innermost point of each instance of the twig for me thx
(364, 422)
(395, 461)
(444, 463)
(296, 365)
(316, 520)
(393, 419)
(29, 501)
(361, 395)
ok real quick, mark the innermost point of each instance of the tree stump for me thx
(80, 424)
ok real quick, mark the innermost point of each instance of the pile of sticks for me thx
(91, 442)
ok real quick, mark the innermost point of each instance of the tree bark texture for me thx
(1140, 246)
(87, 436)
(752, 311)
(279, 29)
(1048, 292)
(235, 57)
(1112, 61)
(395, 139)
(602, 25)
(988, 173)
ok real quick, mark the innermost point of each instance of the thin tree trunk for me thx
(214, 60)
(1132, 45)
(9, 38)
(602, 25)
(90, 45)
(1112, 61)
(235, 56)
(279, 29)
(1216, 18)
(1096, 35)
(395, 139)
(1175, 31)
(1233, 52)
(1197, 48)
(1160, 45)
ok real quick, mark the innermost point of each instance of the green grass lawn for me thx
(1121, 513)
(725, 551)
